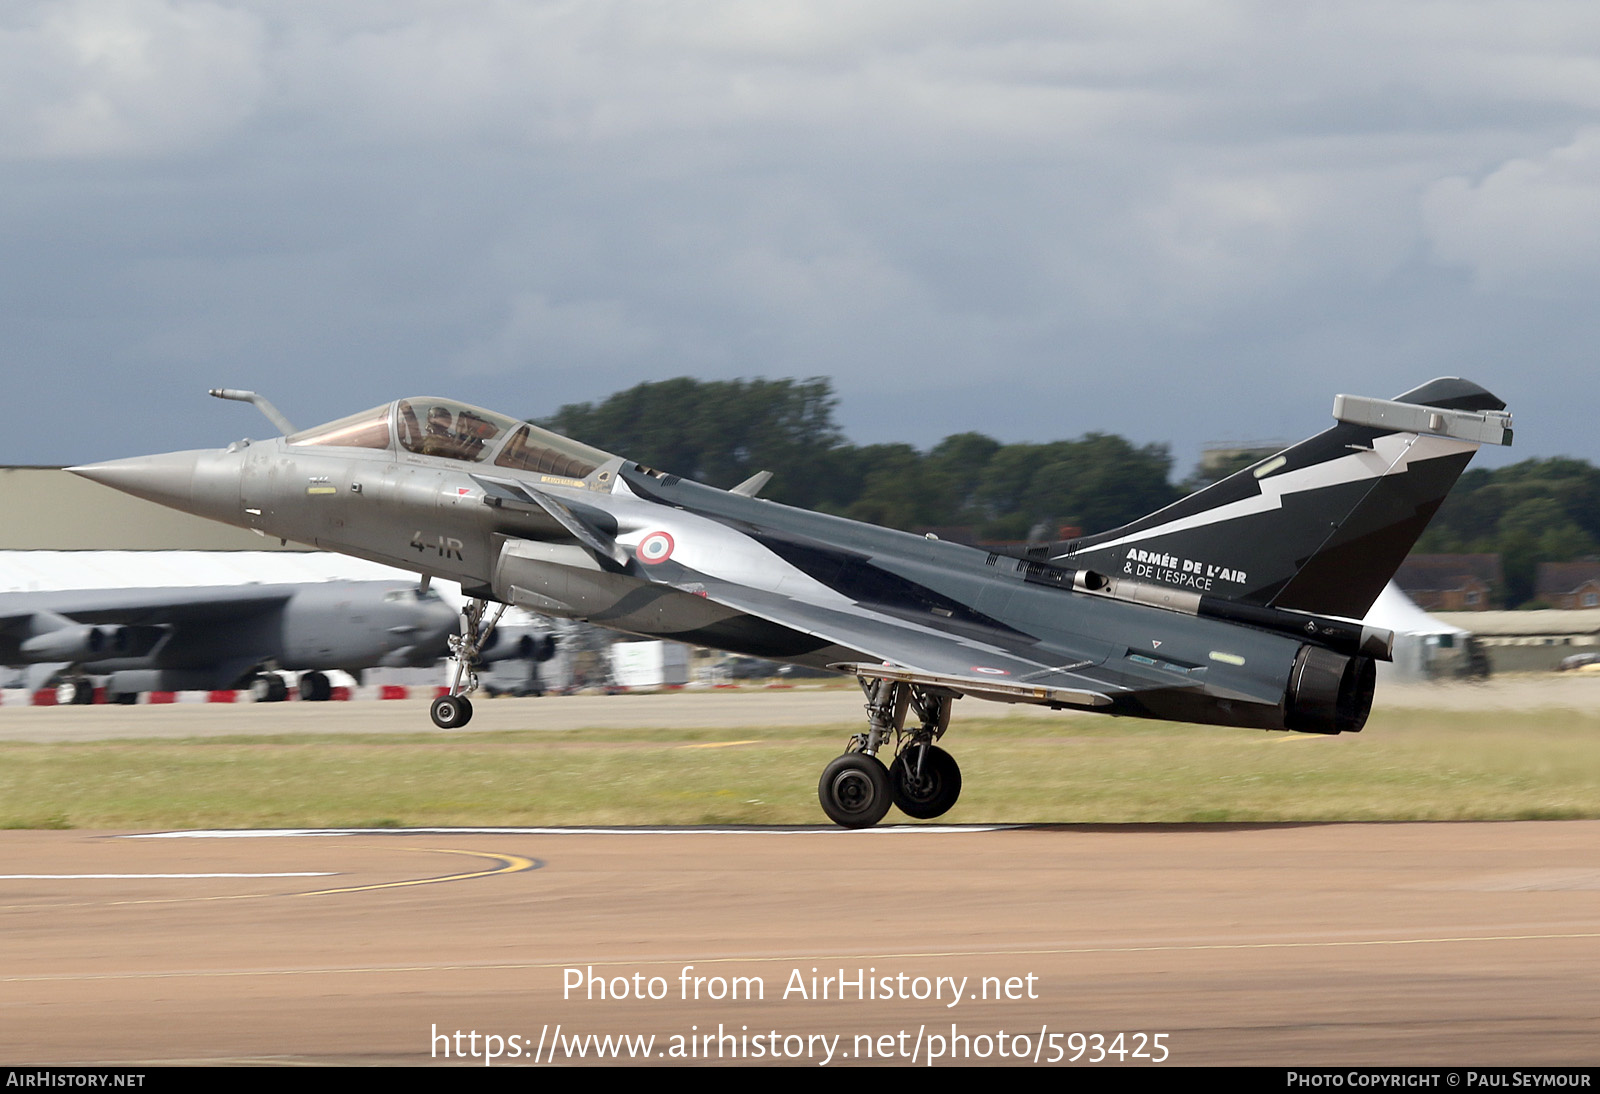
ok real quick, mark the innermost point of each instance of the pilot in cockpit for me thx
(438, 439)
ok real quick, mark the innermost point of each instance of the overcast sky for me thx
(1177, 221)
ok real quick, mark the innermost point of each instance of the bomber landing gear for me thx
(75, 691)
(268, 687)
(454, 710)
(924, 780)
(315, 687)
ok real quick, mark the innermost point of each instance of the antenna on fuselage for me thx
(752, 486)
(274, 415)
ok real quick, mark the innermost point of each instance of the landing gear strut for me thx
(454, 710)
(924, 780)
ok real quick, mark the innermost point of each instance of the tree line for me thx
(1530, 512)
(723, 431)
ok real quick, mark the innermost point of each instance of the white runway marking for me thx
(124, 877)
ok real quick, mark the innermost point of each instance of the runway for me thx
(1421, 944)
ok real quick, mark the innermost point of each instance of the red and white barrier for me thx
(46, 697)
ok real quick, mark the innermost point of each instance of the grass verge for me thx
(1407, 765)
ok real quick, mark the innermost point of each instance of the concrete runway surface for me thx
(1420, 944)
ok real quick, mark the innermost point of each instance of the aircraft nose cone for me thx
(165, 479)
(199, 482)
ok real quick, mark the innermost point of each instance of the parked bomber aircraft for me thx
(1235, 606)
(204, 638)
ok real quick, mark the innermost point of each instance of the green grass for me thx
(1407, 765)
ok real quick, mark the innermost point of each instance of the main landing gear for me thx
(268, 687)
(924, 780)
(74, 691)
(454, 710)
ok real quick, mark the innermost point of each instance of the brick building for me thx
(1452, 583)
(1569, 585)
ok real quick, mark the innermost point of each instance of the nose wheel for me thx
(451, 711)
(454, 710)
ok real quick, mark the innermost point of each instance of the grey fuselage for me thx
(213, 637)
(651, 554)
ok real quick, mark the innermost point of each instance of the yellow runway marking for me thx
(720, 744)
(509, 864)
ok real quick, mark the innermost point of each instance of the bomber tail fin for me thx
(1323, 525)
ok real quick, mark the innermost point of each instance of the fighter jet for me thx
(1237, 606)
(207, 638)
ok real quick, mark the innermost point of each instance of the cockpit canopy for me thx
(456, 431)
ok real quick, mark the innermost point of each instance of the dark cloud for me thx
(1176, 222)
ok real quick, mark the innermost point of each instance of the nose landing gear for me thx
(454, 710)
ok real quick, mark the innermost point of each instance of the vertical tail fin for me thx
(1322, 526)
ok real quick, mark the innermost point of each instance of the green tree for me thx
(1530, 512)
(898, 488)
(723, 431)
(959, 465)
(1097, 482)
(720, 432)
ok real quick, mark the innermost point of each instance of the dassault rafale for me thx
(1239, 605)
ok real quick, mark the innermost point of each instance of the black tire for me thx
(268, 687)
(854, 790)
(933, 794)
(74, 693)
(126, 698)
(451, 711)
(315, 688)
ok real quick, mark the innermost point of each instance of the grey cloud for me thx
(1531, 224)
(1173, 220)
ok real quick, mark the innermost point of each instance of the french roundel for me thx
(655, 547)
